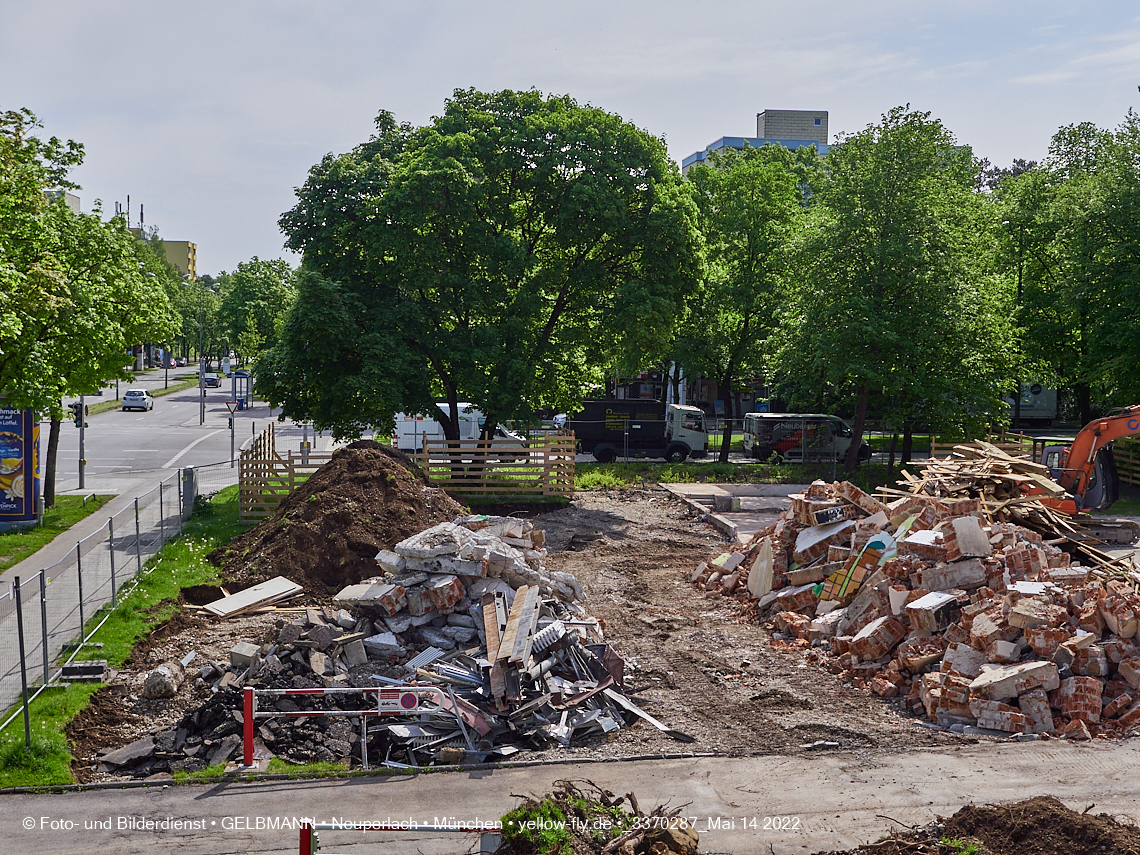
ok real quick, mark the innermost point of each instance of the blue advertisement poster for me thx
(19, 465)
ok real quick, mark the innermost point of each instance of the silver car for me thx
(138, 399)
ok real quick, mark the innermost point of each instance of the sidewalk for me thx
(123, 487)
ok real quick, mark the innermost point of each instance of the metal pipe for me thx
(43, 622)
(111, 541)
(23, 664)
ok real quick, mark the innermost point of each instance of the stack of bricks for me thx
(958, 606)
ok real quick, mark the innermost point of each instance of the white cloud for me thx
(210, 112)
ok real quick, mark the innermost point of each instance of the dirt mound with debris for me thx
(106, 721)
(582, 818)
(1037, 826)
(326, 534)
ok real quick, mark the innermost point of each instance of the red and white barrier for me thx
(390, 700)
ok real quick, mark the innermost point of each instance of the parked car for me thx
(799, 437)
(213, 380)
(180, 361)
(138, 399)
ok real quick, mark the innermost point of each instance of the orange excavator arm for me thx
(1079, 461)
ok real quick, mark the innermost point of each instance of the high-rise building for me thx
(790, 128)
(183, 255)
(792, 125)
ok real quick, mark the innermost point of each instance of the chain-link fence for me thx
(45, 617)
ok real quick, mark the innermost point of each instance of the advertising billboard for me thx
(19, 466)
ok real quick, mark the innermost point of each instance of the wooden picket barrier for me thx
(265, 477)
(1010, 444)
(1127, 454)
(543, 467)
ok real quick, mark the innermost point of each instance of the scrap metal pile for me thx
(957, 598)
(542, 674)
(467, 607)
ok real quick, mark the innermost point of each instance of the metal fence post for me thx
(23, 664)
(138, 540)
(43, 621)
(182, 507)
(111, 541)
(161, 519)
(79, 576)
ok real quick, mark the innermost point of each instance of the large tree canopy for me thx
(258, 295)
(749, 206)
(489, 256)
(899, 295)
(72, 294)
(1073, 234)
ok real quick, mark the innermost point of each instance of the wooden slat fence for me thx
(543, 467)
(1011, 444)
(265, 477)
(1127, 454)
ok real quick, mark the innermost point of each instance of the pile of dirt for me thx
(106, 721)
(326, 534)
(1037, 826)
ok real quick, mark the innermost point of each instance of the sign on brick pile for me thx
(976, 624)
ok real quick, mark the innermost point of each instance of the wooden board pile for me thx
(939, 598)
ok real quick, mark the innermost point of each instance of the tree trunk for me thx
(908, 442)
(49, 463)
(729, 415)
(676, 381)
(857, 429)
(891, 457)
(1084, 402)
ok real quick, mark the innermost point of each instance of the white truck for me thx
(411, 430)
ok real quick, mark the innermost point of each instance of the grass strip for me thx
(17, 545)
(149, 600)
(179, 386)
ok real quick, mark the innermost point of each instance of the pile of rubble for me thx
(467, 607)
(978, 623)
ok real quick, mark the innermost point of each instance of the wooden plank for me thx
(524, 634)
(507, 641)
(491, 626)
(266, 594)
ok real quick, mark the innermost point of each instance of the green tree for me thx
(257, 296)
(74, 296)
(893, 300)
(491, 256)
(1073, 237)
(749, 204)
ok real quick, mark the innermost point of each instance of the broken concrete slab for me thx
(1009, 681)
(242, 653)
(136, 750)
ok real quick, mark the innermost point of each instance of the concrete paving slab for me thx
(790, 805)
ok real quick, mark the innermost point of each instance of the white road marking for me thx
(169, 463)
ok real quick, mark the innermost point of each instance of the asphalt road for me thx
(778, 805)
(156, 441)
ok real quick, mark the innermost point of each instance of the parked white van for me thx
(799, 437)
(411, 430)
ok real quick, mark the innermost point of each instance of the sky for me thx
(211, 113)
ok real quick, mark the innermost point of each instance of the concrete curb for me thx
(381, 772)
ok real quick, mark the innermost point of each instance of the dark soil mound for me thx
(1037, 826)
(327, 533)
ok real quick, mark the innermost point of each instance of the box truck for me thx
(639, 428)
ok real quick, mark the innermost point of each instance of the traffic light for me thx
(79, 413)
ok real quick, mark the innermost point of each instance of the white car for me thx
(138, 399)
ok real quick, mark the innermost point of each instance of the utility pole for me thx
(81, 415)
